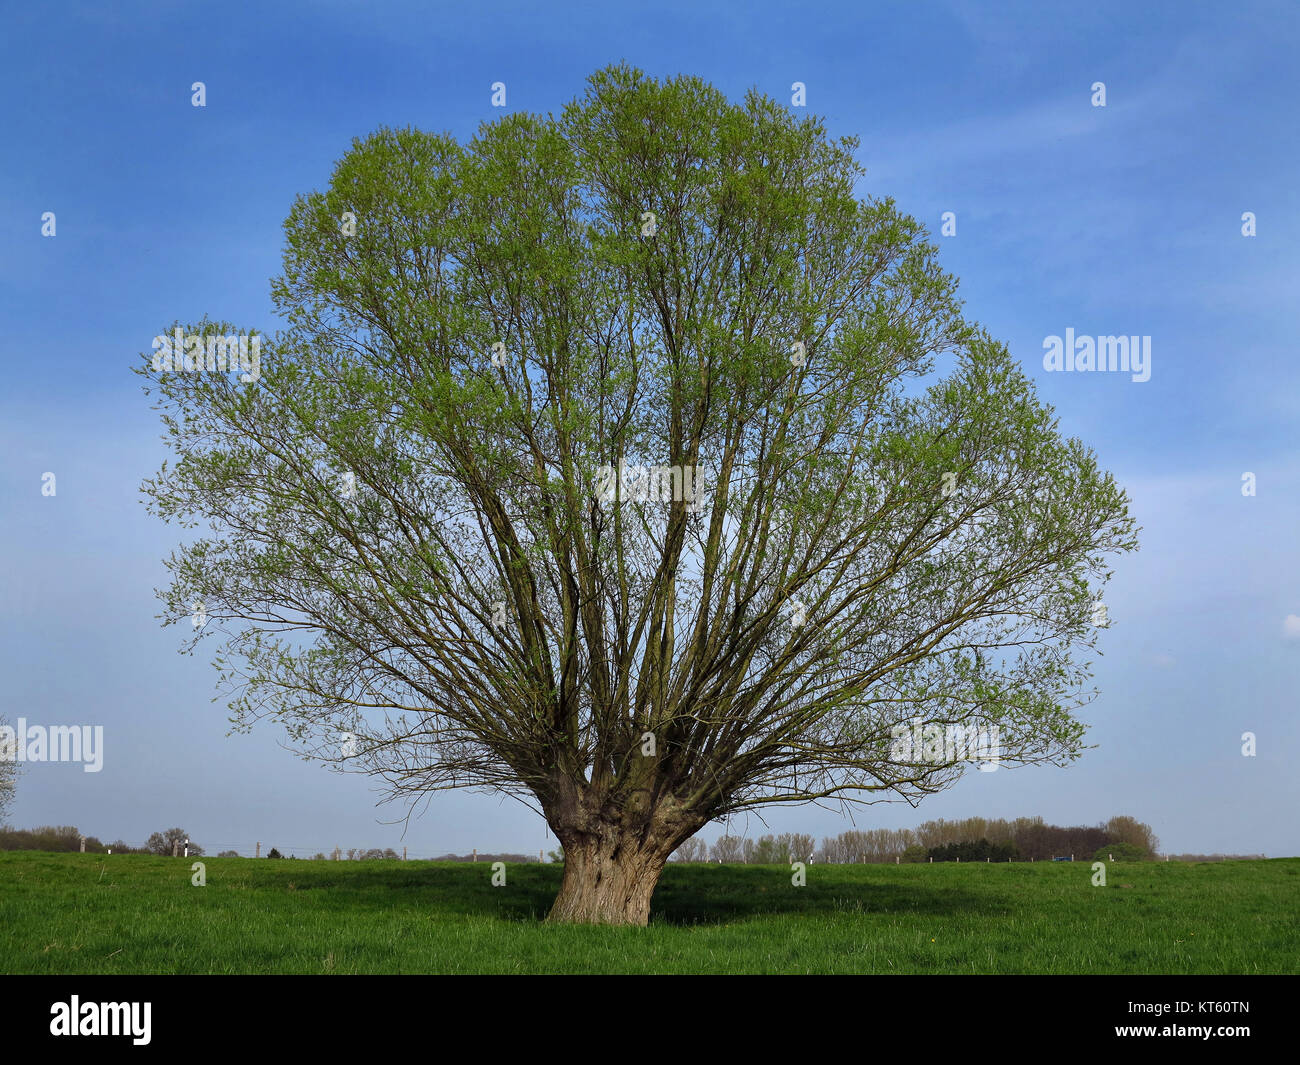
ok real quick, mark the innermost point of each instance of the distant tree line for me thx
(766, 850)
(973, 850)
(47, 838)
(971, 839)
(1214, 857)
(68, 838)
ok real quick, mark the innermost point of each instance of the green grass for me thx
(87, 913)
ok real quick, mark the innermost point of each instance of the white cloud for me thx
(1291, 627)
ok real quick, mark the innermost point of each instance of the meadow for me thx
(114, 914)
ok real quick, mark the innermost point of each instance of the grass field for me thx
(87, 913)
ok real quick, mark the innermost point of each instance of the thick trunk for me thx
(606, 882)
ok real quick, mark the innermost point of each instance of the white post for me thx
(83, 844)
(187, 848)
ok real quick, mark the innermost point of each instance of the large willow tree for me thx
(416, 546)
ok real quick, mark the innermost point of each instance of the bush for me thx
(974, 851)
(1120, 852)
(58, 838)
(173, 840)
(275, 854)
(915, 853)
(228, 854)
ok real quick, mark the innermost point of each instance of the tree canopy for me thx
(629, 462)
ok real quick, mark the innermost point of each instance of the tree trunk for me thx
(606, 883)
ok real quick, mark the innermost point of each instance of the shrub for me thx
(1120, 852)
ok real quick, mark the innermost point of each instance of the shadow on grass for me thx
(717, 894)
(686, 895)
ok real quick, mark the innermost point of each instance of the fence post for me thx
(259, 851)
(176, 846)
(476, 854)
(83, 844)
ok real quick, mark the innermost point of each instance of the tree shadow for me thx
(686, 895)
(718, 894)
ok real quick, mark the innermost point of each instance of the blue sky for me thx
(1123, 219)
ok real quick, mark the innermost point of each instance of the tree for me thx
(273, 853)
(1135, 833)
(728, 849)
(801, 847)
(228, 854)
(692, 850)
(171, 841)
(769, 850)
(626, 463)
(974, 850)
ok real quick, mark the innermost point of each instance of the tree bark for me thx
(606, 882)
